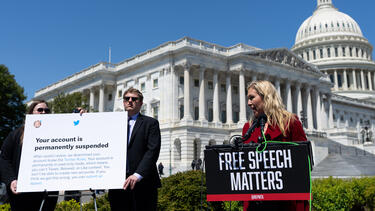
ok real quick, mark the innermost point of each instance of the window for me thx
(236, 116)
(223, 87)
(196, 82)
(210, 114)
(144, 109)
(314, 54)
(210, 85)
(196, 113)
(336, 52)
(224, 116)
(155, 83)
(235, 89)
(155, 111)
(181, 80)
(321, 53)
(308, 56)
(177, 150)
(331, 77)
(328, 52)
(339, 80)
(109, 97)
(356, 52)
(350, 52)
(143, 86)
(181, 111)
(343, 51)
(120, 93)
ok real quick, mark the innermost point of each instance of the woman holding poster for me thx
(278, 125)
(10, 161)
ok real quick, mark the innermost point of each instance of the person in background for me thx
(144, 140)
(10, 161)
(199, 164)
(281, 125)
(193, 163)
(160, 168)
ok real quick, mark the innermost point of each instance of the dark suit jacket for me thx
(143, 151)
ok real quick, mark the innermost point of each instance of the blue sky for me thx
(43, 41)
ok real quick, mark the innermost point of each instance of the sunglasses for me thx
(46, 110)
(133, 99)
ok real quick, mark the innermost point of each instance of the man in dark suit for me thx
(140, 187)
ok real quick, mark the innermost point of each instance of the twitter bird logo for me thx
(76, 122)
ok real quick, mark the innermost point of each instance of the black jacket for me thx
(10, 156)
(143, 150)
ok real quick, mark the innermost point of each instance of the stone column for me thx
(363, 80)
(345, 85)
(330, 111)
(336, 81)
(101, 98)
(318, 107)
(369, 80)
(323, 115)
(288, 96)
(163, 115)
(277, 86)
(354, 80)
(229, 99)
(242, 97)
(92, 99)
(299, 99)
(310, 120)
(216, 98)
(174, 101)
(187, 98)
(202, 98)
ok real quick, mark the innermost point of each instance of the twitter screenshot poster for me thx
(73, 152)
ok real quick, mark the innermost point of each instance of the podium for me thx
(271, 171)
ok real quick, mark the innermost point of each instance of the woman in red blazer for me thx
(281, 125)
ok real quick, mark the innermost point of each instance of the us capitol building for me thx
(197, 90)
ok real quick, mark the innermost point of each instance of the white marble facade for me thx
(190, 86)
(197, 90)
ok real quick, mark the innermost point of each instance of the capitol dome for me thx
(327, 21)
(333, 41)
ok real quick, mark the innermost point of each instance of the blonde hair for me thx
(273, 105)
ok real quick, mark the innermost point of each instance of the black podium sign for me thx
(279, 172)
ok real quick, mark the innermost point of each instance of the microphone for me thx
(251, 129)
(262, 121)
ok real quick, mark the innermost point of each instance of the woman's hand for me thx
(13, 187)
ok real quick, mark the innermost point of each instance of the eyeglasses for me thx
(133, 99)
(46, 110)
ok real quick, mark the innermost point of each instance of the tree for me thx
(12, 109)
(67, 103)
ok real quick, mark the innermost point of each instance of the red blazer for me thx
(293, 133)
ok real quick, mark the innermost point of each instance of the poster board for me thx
(279, 172)
(73, 152)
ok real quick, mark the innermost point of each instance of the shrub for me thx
(5, 207)
(185, 191)
(343, 194)
(71, 205)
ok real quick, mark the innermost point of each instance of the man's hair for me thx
(30, 109)
(273, 105)
(134, 91)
